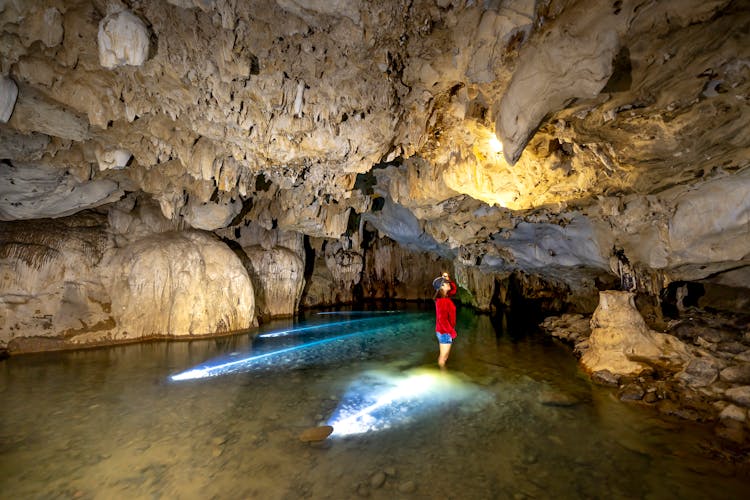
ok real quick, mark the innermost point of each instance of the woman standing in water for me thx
(445, 316)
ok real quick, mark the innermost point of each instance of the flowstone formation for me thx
(559, 146)
(90, 279)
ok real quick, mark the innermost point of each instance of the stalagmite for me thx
(621, 343)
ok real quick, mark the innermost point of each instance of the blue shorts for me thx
(444, 338)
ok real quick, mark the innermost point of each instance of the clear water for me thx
(512, 418)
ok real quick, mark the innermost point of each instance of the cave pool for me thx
(513, 417)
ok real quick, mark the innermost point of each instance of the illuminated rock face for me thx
(123, 40)
(67, 283)
(623, 128)
(179, 284)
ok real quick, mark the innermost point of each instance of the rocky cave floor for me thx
(712, 389)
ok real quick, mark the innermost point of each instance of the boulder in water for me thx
(316, 433)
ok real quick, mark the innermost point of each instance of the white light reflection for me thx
(248, 361)
(300, 329)
(495, 145)
(381, 400)
(358, 312)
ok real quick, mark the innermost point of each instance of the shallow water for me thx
(513, 417)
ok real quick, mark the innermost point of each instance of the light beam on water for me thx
(213, 370)
(300, 329)
(357, 312)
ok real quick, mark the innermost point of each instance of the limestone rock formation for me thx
(123, 39)
(49, 280)
(481, 286)
(395, 272)
(35, 192)
(621, 343)
(279, 276)
(92, 278)
(177, 284)
(336, 270)
(344, 264)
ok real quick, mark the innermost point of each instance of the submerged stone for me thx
(733, 412)
(738, 374)
(316, 433)
(605, 377)
(557, 398)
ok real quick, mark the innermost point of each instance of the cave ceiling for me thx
(506, 134)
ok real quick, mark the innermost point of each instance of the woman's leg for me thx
(445, 350)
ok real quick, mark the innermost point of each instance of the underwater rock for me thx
(740, 395)
(631, 392)
(557, 398)
(736, 374)
(316, 433)
(733, 412)
(407, 487)
(377, 480)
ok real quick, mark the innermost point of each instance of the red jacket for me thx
(445, 316)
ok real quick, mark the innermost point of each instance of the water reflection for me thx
(516, 420)
(381, 400)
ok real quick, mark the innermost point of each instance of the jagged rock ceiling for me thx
(539, 135)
